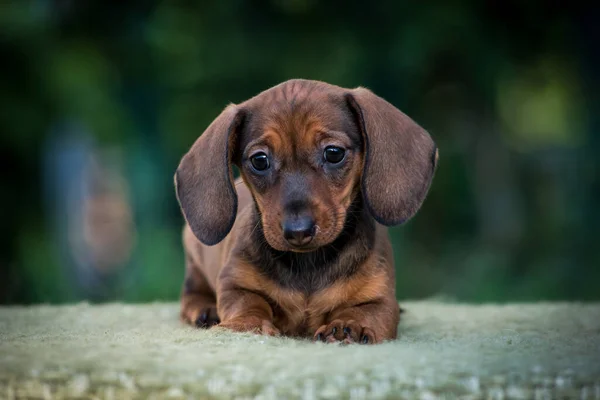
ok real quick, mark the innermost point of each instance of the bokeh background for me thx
(100, 99)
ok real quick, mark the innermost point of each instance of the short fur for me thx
(241, 273)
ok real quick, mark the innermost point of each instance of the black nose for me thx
(299, 231)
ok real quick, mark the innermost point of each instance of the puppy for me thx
(299, 246)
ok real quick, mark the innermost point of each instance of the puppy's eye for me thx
(260, 161)
(334, 154)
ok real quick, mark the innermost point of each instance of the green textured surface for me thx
(448, 350)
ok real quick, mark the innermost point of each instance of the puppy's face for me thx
(306, 149)
(303, 163)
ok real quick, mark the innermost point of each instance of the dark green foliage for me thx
(509, 90)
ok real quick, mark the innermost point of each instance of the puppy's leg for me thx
(245, 311)
(367, 323)
(198, 303)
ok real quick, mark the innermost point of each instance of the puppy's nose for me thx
(299, 231)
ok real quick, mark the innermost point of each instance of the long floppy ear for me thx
(204, 179)
(400, 158)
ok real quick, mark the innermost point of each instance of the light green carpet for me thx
(445, 350)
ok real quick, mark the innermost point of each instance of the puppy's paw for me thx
(207, 317)
(200, 315)
(346, 332)
(251, 324)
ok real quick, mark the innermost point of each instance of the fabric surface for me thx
(545, 350)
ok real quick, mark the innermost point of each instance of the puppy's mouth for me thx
(317, 241)
(305, 242)
(303, 245)
(303, 233)
(303, 249)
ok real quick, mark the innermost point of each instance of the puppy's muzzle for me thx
(299, 231)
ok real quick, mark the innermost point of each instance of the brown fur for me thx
(240, 270)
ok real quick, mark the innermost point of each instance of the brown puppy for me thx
(298, 246)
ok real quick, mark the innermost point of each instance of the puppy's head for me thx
(306, 149)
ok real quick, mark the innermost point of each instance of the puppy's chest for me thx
(298, 313)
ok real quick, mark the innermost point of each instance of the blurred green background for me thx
(100, 99)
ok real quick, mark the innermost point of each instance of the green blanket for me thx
(444, 350)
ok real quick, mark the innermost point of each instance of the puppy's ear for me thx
(204, 179)
(400, 158)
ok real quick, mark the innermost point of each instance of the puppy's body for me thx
(295, 248)
(303, 288)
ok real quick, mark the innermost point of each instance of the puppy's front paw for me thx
(346, 332)
(251, 324)
(200, 315)
(207, 317)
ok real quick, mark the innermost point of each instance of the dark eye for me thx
(333, 154)
(260, 161)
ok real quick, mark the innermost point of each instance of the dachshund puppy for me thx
(299, 245)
